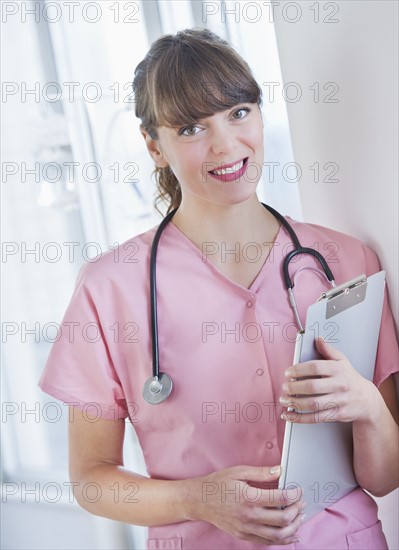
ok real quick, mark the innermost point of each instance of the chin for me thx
(233, 199)
(242, 194)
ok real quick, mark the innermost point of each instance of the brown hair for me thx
(184, 78)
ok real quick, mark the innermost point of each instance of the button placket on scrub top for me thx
(250, 304)
(251, 301)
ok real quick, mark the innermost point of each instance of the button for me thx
(269, 445)
(260, 372)
(250, 303)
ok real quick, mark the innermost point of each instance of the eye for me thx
(241, 113)
(189, 131)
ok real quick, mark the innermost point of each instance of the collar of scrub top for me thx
(159, 386)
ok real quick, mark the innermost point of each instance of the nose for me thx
(223, 140)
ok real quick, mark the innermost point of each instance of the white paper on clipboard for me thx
(318, 457)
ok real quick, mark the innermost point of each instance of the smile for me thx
(230, 172)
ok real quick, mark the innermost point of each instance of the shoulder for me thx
(324, 234)
(351, 256)
(129, 259)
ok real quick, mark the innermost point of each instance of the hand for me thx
(329, 390)
(246, 512)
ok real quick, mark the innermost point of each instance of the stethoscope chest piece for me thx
(157, 388)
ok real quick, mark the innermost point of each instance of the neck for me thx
(247, 221)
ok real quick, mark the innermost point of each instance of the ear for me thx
(154, 149)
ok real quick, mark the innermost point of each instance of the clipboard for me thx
(318, 457)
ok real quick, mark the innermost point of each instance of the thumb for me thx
(327, 350)
(257, 473)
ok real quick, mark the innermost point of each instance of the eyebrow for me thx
(199, 120)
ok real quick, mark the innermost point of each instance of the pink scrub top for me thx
(226, 348)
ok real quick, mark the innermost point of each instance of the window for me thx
(77, 180)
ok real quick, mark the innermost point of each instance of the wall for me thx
(359, 133)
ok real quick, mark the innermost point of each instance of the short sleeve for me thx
(79, 369)
(387, 361)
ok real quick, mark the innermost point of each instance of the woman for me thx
(213, 466)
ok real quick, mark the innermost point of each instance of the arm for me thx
(335, 384)
(378, 438)
(96, 457)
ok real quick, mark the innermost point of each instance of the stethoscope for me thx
(159, 386)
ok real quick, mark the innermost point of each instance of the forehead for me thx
(200, 109)
(170, 133)
(191, 89)
(215, 115)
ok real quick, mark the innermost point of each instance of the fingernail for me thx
(303, 517)
(275, 470)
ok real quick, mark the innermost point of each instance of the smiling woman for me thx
(212, 478)
(187, 78)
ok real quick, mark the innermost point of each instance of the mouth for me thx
(230, 172)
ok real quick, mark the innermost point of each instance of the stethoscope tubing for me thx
(299, 249)
(156, 374)
(153, 293)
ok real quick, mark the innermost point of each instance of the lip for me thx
(224, 165)
(230, 177)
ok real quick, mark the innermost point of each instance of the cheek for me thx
(254, 137)
(190, 161)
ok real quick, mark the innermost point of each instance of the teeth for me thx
(230, 170)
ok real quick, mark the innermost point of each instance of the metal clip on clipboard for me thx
(344, 296)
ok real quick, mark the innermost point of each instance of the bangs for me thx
(194, 83)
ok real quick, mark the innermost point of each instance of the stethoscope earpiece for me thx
(157, 388)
